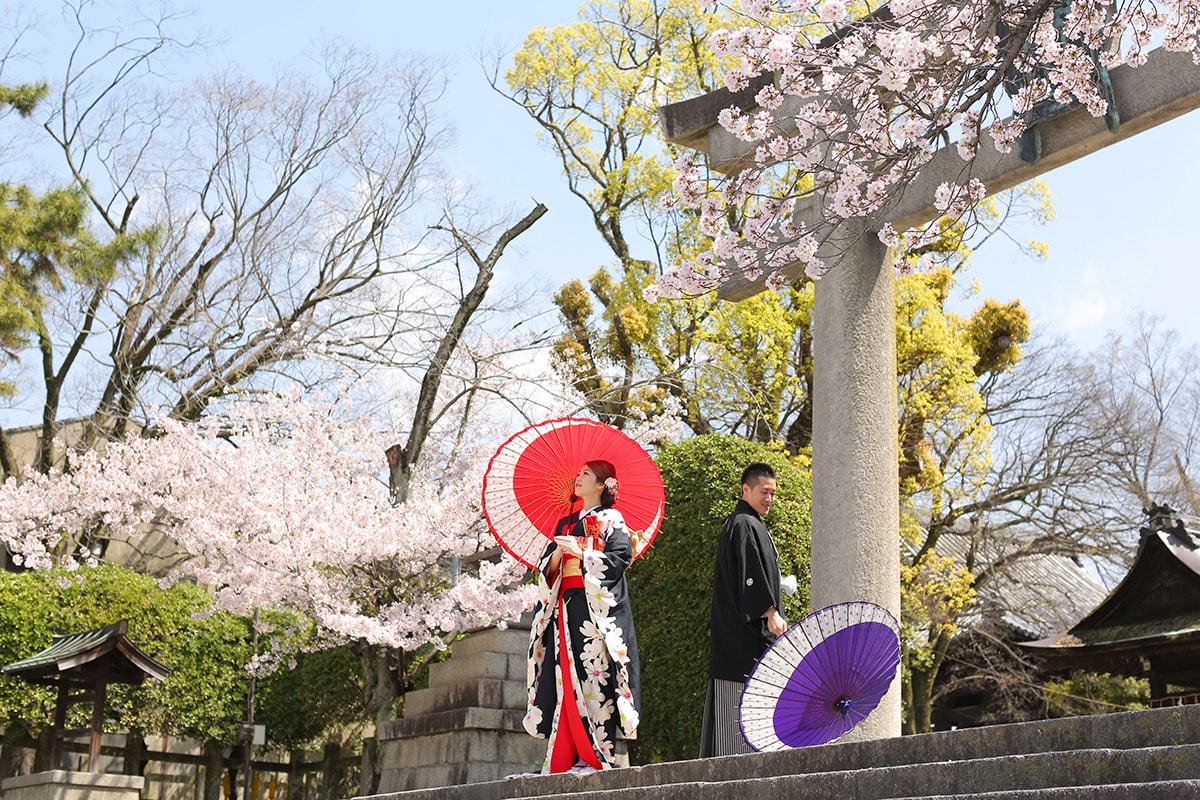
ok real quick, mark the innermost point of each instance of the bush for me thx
(299, 705)
(671, 584)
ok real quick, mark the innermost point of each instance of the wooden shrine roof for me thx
(105, 655)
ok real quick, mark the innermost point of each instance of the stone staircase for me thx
(1147, 755)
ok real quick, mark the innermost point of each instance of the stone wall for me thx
(466, 727)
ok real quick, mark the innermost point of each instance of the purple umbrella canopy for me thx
(821, 678)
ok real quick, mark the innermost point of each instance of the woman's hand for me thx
(568, 546)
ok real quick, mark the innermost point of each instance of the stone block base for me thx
(63, 785)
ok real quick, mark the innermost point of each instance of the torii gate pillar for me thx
(855, 509)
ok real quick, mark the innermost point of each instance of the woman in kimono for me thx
(583, 665)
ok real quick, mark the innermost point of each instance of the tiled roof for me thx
(107, 648)
(1036, 594)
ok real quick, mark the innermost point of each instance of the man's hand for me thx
(776, 624)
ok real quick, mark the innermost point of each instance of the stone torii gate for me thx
(855, 509)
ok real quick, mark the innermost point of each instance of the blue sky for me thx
(1119, 242)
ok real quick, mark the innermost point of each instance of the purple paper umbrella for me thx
(823, 676)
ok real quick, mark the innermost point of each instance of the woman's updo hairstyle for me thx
(606, 473)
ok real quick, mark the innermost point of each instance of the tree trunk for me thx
(331, 771)
(920, 688)
(402, 459)
(134, 762)
(381, 691)
(371, 770)
(920, 700)
(41, 756)
(8, 457)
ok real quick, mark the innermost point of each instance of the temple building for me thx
(1149, 625)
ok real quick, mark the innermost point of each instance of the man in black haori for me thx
(746, 603)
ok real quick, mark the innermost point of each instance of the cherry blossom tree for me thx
(281, 502)
(854, 99)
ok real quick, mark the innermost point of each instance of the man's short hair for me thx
(755, 470)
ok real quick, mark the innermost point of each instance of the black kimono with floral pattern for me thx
(601, 642)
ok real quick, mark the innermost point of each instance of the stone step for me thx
(485, 693)
(484, 664)
(766, 776)
(514, 640)
(1044, 771)
(1157, 745)
(1162, 790)
(456, 719)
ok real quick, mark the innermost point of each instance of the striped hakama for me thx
(720, 732)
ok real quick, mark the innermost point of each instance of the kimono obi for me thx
(572, 573)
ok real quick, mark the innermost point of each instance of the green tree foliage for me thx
(203, 697)
(671, 585)
(300, 703)
(44, 240)
(24, 97)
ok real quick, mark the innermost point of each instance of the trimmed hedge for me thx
(671, 585)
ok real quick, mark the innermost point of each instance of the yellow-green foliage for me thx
(934, 592)
(942, 428)
(595, 88)
(1095, 693)
(995, 333)
(944, 433)
(756, 364)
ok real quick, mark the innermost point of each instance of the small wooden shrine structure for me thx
(82, 665)
(1149, 625)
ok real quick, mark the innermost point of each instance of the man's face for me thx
(760, 494)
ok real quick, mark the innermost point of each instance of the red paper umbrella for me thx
(529, 482)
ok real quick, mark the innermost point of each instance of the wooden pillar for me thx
(99, 692)
(856, 504)
(295, 780)
(60, 723)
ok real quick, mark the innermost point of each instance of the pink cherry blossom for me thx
(866, 110)
(282, 503)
